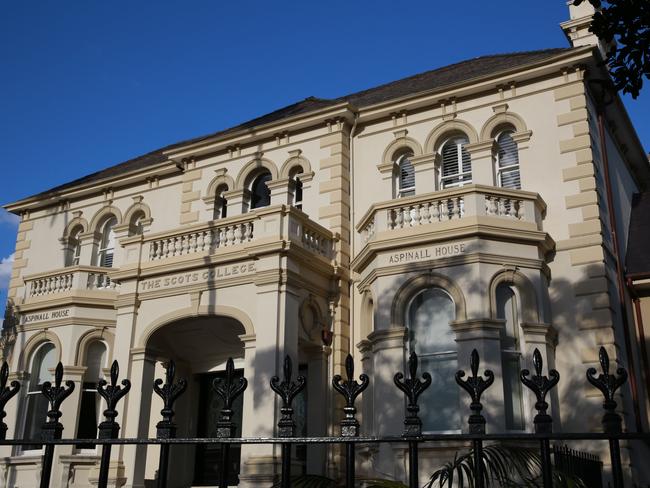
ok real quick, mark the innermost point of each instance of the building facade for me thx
(481, 205)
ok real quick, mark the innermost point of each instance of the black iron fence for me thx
(231, 386)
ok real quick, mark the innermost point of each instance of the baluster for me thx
(455, 213)
(435, 214)
(612, 422)
(249, 232)
(475, 386)
(109, 428)
(6, 393)
(163, 248)
(166, 428)
(541, 385)
(391, 219)
(238, 234)
(350, 389)
(492, 205)
(520, 210)
(412, 387)
(424, 213)
(400, 218)
(287, 391)
(501, 207)
(228, 389)
(53, 429)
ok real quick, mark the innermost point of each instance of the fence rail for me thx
(231, 386)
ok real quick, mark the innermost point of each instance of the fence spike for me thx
(475, 386)
(6, 394)
(168, 392)
(608, 384)
(228, 389)
(112, 393)
(412, 387)
(287, 391)
(540, 386)
(350, 389)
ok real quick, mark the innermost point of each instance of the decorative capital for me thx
(540, 385)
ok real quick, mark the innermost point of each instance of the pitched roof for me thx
(429, 80)
(637, 259)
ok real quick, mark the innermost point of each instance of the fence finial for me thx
(228, 389)
(287, 390)
(608, 384)
(350, 389)
(6, 393)
(55, 395)
(412, 387)
(112, 394)
(540, 385)
(475, 385)
(169, 392)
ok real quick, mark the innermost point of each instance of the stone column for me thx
(89, 243)
(276, 331)
(484, 335)
(426, 173)
(482, 163)
(281, 191)
(142, 368)
(387, 358)
(237, 202)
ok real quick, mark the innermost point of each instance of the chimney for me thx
(576, 28)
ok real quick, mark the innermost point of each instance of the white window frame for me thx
(498, 168)
(439, 354)
(31, 392)
(461, 175)
(514, 352)
(402, 191)
(93, 389)
(106, 243)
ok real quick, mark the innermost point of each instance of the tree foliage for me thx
(626, 25)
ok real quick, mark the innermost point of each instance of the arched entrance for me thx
(200, 347)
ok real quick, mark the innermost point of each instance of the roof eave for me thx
(248, 135)
(478, 83)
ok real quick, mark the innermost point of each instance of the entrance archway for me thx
(200, 347)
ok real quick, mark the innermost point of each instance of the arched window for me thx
(507, 161)
(260, 193)
(456, 163)
(90, 408)
(405, 176)
(136, 224)
(432, 339)
(107, 243)
(220, 202)
(43, 360)
(297, 186)
(73, 252)
(508, 311)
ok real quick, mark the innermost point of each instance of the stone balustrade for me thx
(261, 226)
(450, 205)
(68, 279)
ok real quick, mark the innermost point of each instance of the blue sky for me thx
(88, 84)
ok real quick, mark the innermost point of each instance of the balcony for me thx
(263, 230)
(68, 282)
(450, 214)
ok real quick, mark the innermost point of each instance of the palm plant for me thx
(503, 466)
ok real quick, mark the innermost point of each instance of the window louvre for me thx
(456, 163)
(406, 181)
(508, 161)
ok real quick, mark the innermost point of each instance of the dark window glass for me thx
(260, 193)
